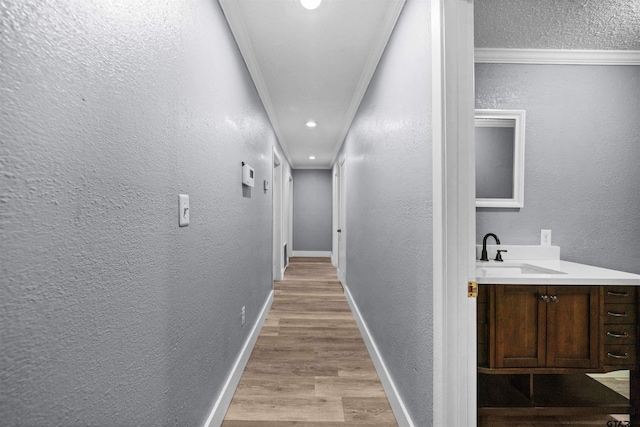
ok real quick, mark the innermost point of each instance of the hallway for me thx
(310, 363)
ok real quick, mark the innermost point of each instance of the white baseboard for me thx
(334, 261)
(397, 405)
(224, 400)
(323, 254)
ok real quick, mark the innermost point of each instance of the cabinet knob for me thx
(544, 298)
(553, 298)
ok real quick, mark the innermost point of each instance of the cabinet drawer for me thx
(619, 354)
(620, 294)
(620, 334)
(619, 313)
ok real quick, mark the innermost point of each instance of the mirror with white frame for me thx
(499, 136)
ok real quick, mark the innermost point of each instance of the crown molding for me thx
(557, 56)
(394, 9)
(233, 13)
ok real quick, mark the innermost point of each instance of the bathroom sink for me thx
(511, 269)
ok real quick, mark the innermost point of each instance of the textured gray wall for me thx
(389, 209)
(111, 314)
(581, 163)
(558, 24)
(312, 201)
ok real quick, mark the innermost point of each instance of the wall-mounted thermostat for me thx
(247, 175)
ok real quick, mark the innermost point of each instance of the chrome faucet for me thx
(484, 256)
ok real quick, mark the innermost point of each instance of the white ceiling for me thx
(311, 65)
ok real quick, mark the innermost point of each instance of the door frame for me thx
(454, 322)
(335, 218)
(289, 222)
(277, 264)
(342, 222)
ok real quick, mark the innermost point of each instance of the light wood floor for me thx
(310, 366)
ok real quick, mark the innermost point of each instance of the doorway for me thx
(278, 253)
(287, 221)
(334, 217)
(342, 222)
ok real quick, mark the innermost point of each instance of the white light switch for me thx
(184, 209)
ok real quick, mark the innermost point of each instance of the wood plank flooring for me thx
(310, 366)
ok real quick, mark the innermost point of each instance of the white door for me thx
(342, 223)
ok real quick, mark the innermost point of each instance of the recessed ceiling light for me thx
(310, 4)
(311, 124)
(312, 157)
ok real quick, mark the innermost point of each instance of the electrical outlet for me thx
(545, 237)
(243, 315)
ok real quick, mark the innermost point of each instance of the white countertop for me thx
(570, 273)
(544, 258)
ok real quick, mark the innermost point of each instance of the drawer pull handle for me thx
(615, 335)
(618, 356)
(611, 313)
(617, 294)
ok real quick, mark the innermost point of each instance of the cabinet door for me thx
(520, 326)
(573, 326)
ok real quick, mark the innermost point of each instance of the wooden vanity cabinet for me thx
(540, 328)
(536, 343)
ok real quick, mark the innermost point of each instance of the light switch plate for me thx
(184, 209)
(266, 184)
